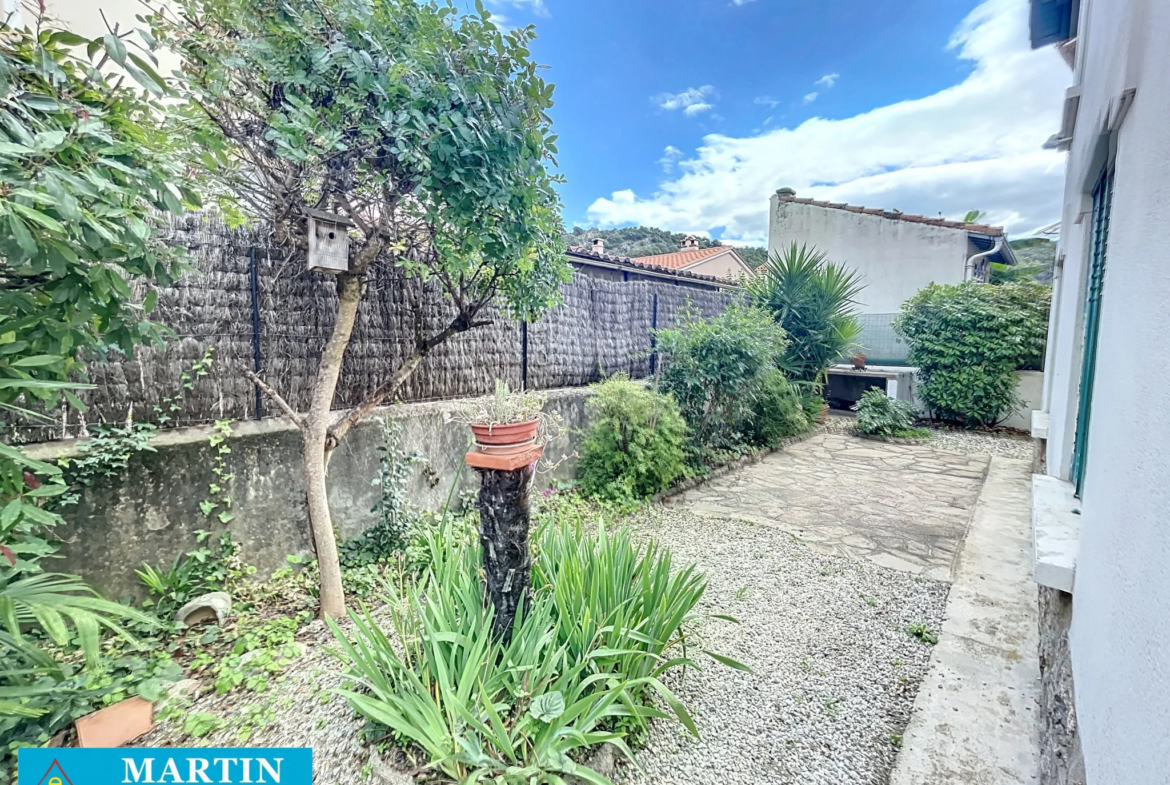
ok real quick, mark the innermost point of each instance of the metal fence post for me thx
(255, 276)
(524, 355)
(654, 336)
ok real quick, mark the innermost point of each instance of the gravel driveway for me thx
(836, 670)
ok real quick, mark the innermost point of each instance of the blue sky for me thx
(687, 115)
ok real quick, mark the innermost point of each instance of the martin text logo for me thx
(155, 766)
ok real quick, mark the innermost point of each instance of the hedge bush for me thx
(880, 415)
(778, 412)
(715, 368)
(967, 341)
(635, 447)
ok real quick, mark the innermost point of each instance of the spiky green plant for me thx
(586, 649)
(814, 300)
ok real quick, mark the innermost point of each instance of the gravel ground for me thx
(836, 671)
(300, 713)
(1005, 445)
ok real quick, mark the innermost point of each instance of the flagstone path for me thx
(901, 506)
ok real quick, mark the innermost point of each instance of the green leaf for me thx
(37, 361)
(115, 48)
(548, 706)
(151, 301)
(739, 666)
(52, 224)
(23, 236)
(66, 38)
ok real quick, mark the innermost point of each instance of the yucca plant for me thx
(814, 300)
(485, 710)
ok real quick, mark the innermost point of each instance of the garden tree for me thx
(427, 130)
(813, 299)
(85, 172)
(85, 168)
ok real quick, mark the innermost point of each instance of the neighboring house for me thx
(720, 261)
(896, 255)
(596, 263)
(1101, 513)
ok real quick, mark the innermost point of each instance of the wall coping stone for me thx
(242, 429)
(1056, 527)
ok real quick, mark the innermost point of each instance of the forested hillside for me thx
(647, 241)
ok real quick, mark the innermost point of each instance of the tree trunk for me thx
(503, 532)
(315, 455)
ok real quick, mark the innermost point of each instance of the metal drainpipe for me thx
(969, 269)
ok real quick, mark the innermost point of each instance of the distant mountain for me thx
(1036, 252)
(636, 241)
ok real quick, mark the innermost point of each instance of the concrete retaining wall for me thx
(1031, 392)
(152, 512)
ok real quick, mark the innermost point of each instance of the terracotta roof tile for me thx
(580, 252)
(994, 231)
(680, 259)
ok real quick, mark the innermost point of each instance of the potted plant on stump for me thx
(510, 431)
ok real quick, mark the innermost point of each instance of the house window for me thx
(1053, 21)
(1094, 289)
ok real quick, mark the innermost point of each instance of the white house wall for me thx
(1120, 636)
(723, 266)
(896, 258)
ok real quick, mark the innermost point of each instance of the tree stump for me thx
(505, 481)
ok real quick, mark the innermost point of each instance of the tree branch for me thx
(355, 415)
(297, 419)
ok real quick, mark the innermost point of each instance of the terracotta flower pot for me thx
(505, 439)
(115, 725)
(858, 361)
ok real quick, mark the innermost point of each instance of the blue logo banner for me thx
(129, 765)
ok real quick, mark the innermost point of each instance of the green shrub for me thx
(880, 415)
(597, 633)
(810, 401)
(635, 447)
(814, 300)
(778, 412)
(967, 341)
(715, 369)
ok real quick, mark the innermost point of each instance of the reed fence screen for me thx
(256, 304)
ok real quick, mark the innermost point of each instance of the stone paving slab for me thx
(975, 719)
(901, 506)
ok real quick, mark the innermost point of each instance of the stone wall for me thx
(151, 514)
(1061, 762)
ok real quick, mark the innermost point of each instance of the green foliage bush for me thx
(778, 412)
(595, 637)
(967, 341)
(715, 369)
(814, 300)
(635, 447)
(880, 415)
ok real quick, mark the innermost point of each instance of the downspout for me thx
(969, 269)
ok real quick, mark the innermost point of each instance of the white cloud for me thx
(692, 101)
(808, 99)
(670, 157)
(766, 100)
(828, 80)
(975, 145)
(535, 6)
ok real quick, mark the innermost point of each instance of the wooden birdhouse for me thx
(328, 242)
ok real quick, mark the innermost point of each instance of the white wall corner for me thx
(1056, 529)
(1039, 424)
